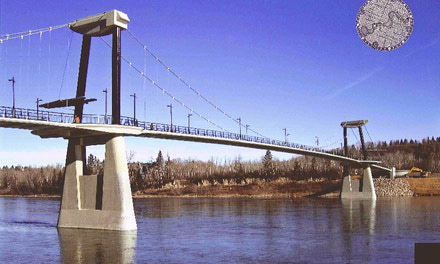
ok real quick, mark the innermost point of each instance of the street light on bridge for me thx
(247, 126)
(38, 106)
(285, 135)
(134, 107)
(106, 92)
(171, 115)
(239, 124)
(13, 95)
(189, 123)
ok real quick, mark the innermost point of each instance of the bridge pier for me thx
(94, 202)
(393, 173)
(359, 188)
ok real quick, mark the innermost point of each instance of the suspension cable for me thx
(188, 85)
(354, 134)
(327, 139)
(69, 45)
(165, 91)
(29, 33)
(368, 134)
(332, 144)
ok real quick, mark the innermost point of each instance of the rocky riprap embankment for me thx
(387, 187)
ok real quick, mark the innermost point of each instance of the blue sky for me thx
(298, 65)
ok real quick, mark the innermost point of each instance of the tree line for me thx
(402, 154)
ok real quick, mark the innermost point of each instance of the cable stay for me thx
(189, 86)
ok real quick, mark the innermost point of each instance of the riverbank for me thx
(249, 187)
(425, 187)
(278, 188)
(283, 187)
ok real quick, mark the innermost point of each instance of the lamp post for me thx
(285, 134)
(189, 123)
(13, 95)
(247, 126)
(239, 124)
(317, 141)
(171, 115)
(38, 106)
(134, 107)
(106, 93)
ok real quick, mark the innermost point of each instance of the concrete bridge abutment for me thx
(355, 188)
(97, 202)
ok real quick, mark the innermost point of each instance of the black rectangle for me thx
(427, 253)
(99, 191)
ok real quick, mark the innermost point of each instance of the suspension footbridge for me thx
(91, 201)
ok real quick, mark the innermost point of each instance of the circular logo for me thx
(384, 24)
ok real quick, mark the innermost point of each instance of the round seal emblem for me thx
(384, 25)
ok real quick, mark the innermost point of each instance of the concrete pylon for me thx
(94, 202)
(393, 173)
(359, 188)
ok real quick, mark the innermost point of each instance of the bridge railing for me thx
(43, 115)
(30, 114)
(215, 133)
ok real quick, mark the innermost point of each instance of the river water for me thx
(230, 230)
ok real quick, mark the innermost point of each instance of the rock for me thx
(387, 187)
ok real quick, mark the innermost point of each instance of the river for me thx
(227, 230)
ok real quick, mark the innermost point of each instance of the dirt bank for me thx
(424, 186)
(281, 187)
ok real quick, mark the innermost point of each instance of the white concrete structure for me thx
(100, 24)
(359, 188)
(94, 202)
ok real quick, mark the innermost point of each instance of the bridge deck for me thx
(51, 125)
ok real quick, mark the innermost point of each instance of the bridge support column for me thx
(94, 202)
(393, 173)
(359, 188)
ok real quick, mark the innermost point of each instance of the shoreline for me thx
(277, 189)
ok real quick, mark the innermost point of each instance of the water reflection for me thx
(358, 217)
(359, 214)
(201, 230)
(96, 246)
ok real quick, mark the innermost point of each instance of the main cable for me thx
(69, 45)
(354, 134)
(29, 33)
(368, 134)
(331, 144)
(165, 91)
(189, 86)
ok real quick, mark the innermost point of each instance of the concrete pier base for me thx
(94, 202)
(359, 188)
(393, 173)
